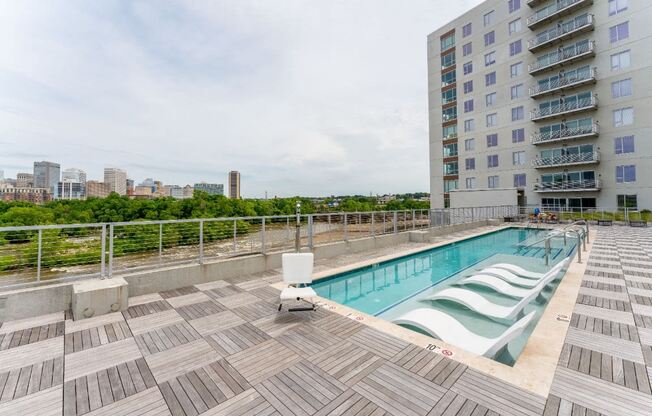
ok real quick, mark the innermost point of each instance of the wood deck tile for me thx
(146, 309)
(267, 293)
(176, 361)
(142, 299)
(154, 321)
(262, 361)
(183, 300)
(614, 346)
(381, 344)
(429, 365)
(339, 325)
(96, 336)
(608, 294)
(178, 292)
(238, 299)
(223, 291)
(148, 402)
(20, 324)
(608, 314)
(212, 285)
(89, 361)
(198, 310)
(453, 404)
(307, 340)
(232, 340)
(47, 402)
(26, 355)
(351, 403)
(31, 335)
(256, 310)
(31, 379)
(216, 322)
(167, 337)
(94, 322)
(248, 403)
(347, 362)
(275, 325)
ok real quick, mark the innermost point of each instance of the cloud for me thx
(302, 97)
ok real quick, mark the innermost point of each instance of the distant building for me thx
(143, 191)
(69, 189)
(176, 192)
(47, 175)
(210, 188)
(33, 195)
(188, 191)
(130, 187)
(386, 198)
(24, 180)
(97, 189)
(116, 179)
(74, 175)
(2, 174)
(234, 184)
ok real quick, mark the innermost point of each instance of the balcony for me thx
(450, 136)
(564, 109)
(555, 11)
(561, 58)
(562, 32)
(448, 117)
(568, 186)
(566, 134)
(563, 83)
(535, 3)
(567, 160)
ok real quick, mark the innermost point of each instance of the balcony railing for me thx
(564, 83)
(568, 186)
(535, 3)
(554, 11)
(450, 136)
(563, 108)
(563, 31)
(561, 58)
(565, 134)
(567, 160)
(448, 117)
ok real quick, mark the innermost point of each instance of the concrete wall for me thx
(467, 198)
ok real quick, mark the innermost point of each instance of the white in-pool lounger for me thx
(443, 326)
(479, 304)
(519, 271)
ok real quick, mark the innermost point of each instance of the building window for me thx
(469, 145)
(518, 158)
(468, 106)
(489, 38)
(490, 79)
(518, 135)
(450, 150)
(469, 125)
(467, 49)
(449, 114)
(449, 132)
(490, 99)
(448, 78)
(468, 68)
(517, 91)
(492, 182)
(490, 58)
(492, 140)
(470, 163)
(468, 87)
(625, 173)
(467, 30)
(519, 180)
(470, 183)
(518, 113)
(448, 96)
(515, 48)
(449, 185)
(516, 70)
(627, 202)
(624, 145)
(492, 119)
(515, 26)
(513, 5)
(623, 117)
(622, 88)
(620, 60)
(619, 32)
(448, 42)
(489, 18)
(450, 168)
(448, 60)
(492, 161)
(617, 6)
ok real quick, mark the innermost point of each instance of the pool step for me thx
(538, 252)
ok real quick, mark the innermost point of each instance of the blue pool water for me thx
(392, 288)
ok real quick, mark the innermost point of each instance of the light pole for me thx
(297, 239)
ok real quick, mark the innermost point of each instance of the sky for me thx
(302, 97)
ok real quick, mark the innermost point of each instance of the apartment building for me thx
(116, 179)
(234, 184)
(550, 98)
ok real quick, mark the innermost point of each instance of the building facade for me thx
(549, 97)
(33, 195)
(116, 179)
(234, 184)
(47, 175)
(70, 189)
(97, 189)
(24, 180)
(210, 188)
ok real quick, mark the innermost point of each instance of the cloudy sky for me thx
(303, 97)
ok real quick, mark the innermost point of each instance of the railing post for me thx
(201, 241)
(346, 234)
(414, 221)
(103, 250)
(235, 237)
(310, 219)
(395, 222)
(384, 222)
(373, 229)
(287, 229)
(39, 254)
(262, 238)
(547, 250)
(160, 243)
(330, 235)
(111, 250)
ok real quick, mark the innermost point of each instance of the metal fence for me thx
(50, 253)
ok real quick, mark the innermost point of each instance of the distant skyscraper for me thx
(234, 184)
(116, 179)
(24, 180)
(210, 188)
(97, 189)
(74, 175)
(70, 189)
(47, 175)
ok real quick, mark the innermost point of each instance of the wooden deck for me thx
(221, 348)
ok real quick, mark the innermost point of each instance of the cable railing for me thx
(564, 107)
(562, 31)
(581, 185)
(568, 159)
(560, 57)
(555, 10)
(52, 253)
(563, 81)
(565, 134)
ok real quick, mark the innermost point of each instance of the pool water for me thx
(391, 289)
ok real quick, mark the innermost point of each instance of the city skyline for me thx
(300, 100)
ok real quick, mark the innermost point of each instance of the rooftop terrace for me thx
(221, 348)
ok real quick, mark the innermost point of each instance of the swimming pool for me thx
(390, 289)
